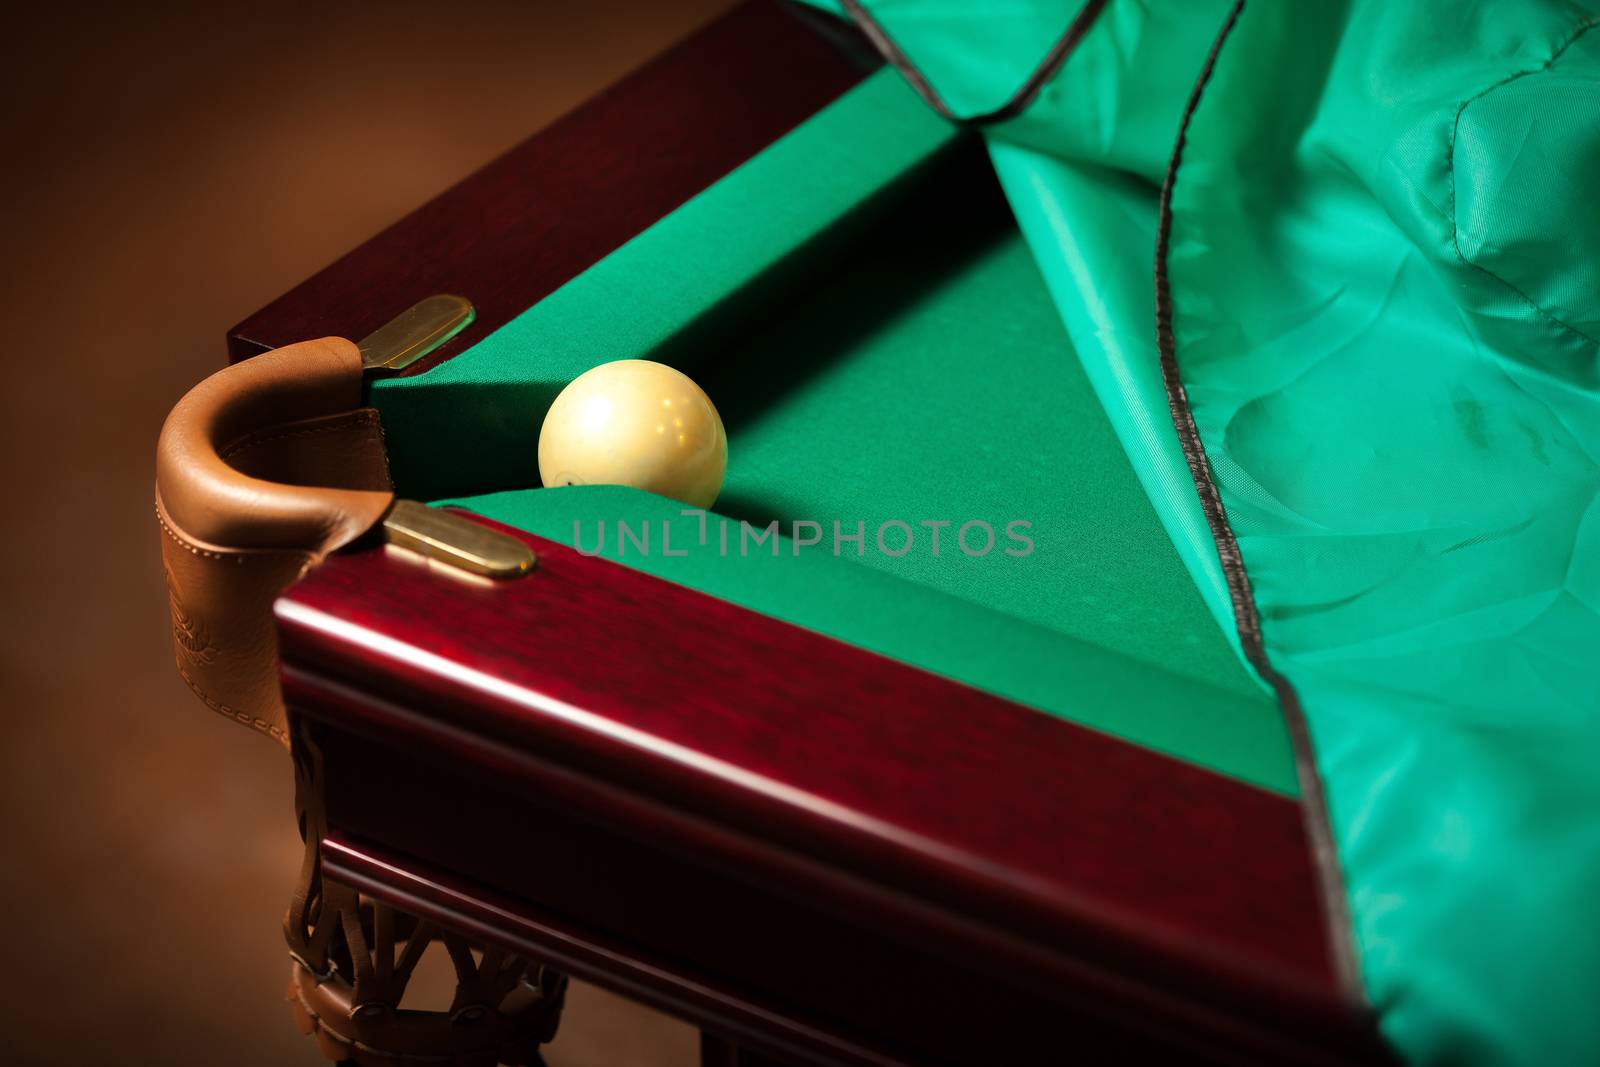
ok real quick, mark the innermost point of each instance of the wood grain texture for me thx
(1077, 872)
(517, 229)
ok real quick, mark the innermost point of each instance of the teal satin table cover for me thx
(1383, 265)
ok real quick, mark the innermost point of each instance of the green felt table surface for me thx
(877, 356)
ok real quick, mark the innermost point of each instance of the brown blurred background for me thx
(167, 171)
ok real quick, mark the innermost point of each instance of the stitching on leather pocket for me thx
(235, 714)
(362, 419)
(241, 556)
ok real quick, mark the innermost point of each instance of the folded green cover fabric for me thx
(1383, 265)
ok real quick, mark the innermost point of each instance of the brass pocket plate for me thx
(415, 332)
(457, 541)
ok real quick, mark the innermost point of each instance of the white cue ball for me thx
(638, 423)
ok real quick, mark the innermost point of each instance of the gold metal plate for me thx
(449, 538)
(415, 332)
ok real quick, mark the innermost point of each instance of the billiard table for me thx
(785, 769)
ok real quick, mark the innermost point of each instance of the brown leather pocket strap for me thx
(261, 470)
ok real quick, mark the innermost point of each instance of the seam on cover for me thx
(1247, 618)
(1065, 45)
(1450, 164)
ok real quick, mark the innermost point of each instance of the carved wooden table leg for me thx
(347, 982)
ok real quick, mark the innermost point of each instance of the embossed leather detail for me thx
(261, 470)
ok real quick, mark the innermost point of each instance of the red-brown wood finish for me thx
(913, 829)
(517, 229)
(795, 843)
